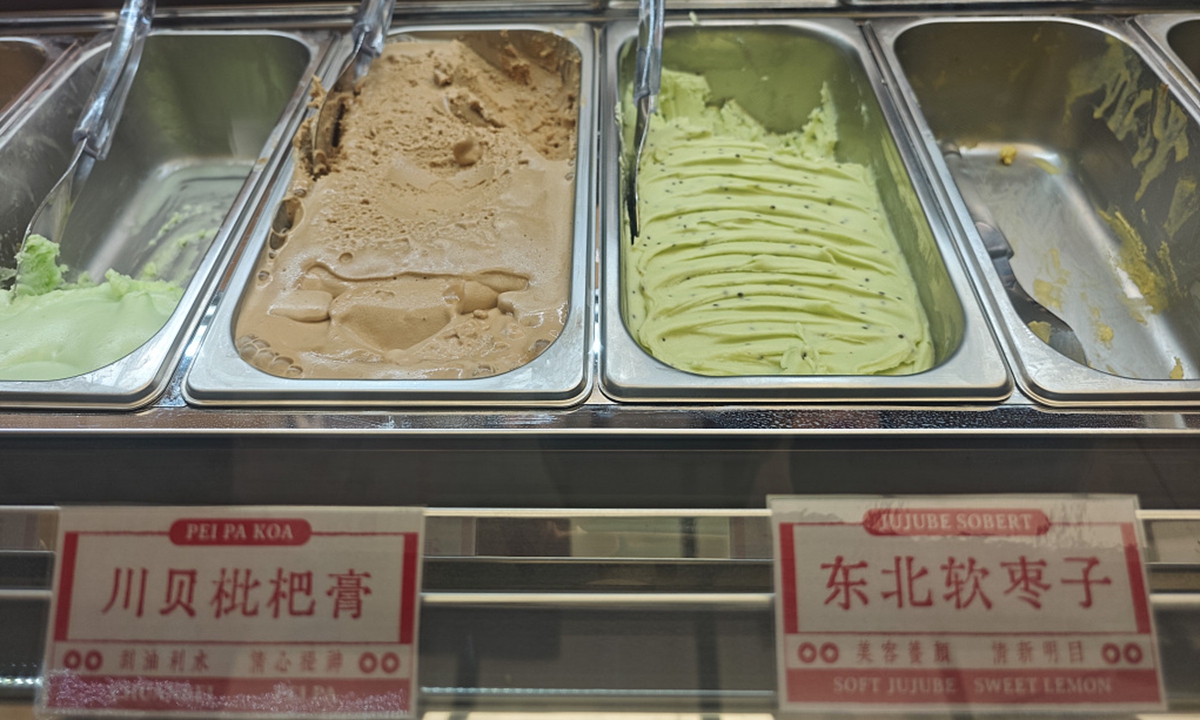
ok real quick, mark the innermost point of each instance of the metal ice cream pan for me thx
(560, 375)
(1177, 36)
(22, 61)
(187, 157)
(1074, 139)
(775, 69)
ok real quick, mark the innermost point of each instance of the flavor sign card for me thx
(235, 611)
(964, 603)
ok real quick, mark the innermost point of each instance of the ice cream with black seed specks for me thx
(761, 253)
(434, 240)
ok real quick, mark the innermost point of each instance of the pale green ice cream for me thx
(51, 330)
(760, 253)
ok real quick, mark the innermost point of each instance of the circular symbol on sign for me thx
(1111, 653)
(93, 660)
(367, 662)
(808, 652)
(72, 660)
(1133, 653)
(829, 653)
(390, 662)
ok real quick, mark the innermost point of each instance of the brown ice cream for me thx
(433, 240)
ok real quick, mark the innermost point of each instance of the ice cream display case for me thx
(888, 248)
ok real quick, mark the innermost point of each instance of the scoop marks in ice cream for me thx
(433, 239)
(760, 253)
(50, 329)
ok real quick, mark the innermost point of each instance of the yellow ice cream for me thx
(1177, 370)
(762, 254)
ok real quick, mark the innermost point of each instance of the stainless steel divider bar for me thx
(610, 602)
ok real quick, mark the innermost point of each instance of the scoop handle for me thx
(99, 120)
(370, 32)
(993, 237)
(648, 73)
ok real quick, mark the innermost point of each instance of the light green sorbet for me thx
(51, 330)
(760, 253)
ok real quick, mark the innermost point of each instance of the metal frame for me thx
(455, 548)
(790, 429)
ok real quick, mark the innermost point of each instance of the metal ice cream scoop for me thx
(1061, 336)
(646, 82)
(94, 132)
(368, 33)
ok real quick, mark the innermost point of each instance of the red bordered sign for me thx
(964, 603)
(235, 611)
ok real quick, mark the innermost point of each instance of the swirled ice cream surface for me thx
(761, 253)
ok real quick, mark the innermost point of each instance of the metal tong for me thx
(646, 82)
(368, 33)
(93, 133)
(1062, 336)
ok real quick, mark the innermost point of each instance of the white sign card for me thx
(235, 611)
(926, 604)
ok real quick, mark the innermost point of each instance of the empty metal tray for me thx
(1076, 143)
(1177, 37)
